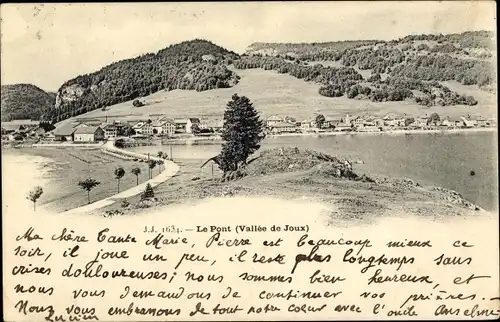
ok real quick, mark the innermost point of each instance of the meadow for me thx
(68, 166)
(281, 94)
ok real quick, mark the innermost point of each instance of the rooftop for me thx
(162, 121)
(109, 126)
(10, 127)
(21, 122)
(284, 124)
(65, 130)
(274, 118)
(86, 130)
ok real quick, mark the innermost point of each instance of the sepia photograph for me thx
(337, 116)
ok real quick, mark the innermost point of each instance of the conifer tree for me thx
(242, 132)
(148, 192)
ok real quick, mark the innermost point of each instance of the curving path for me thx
(170, 170)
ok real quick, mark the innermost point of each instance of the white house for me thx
(481, 121)
(138, 127)
(66, 132)
(447, 122)
(283, 127)
(273, 120)
(110, 130)
(147, 128)
(359, 121)
(164, 126)
(346, 123)
(400, 121)
(305, 124)
(369, 122)
(186, 125)
(346, 120)
(421, 121)
(469, 122)
(88, 134)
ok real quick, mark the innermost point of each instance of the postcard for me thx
(249, 161)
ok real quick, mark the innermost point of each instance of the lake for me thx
(439, 159)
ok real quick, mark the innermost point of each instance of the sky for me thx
(47, 44)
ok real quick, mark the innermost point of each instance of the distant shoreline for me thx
(218, 139)
(320, 134)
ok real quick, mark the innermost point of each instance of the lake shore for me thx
(217, 139)
(70, 196)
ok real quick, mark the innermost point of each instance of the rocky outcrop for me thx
(454, 197)
(284, 160)
(398, 182)
(294, 159)
(69, 93)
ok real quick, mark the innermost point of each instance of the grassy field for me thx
(71, 165)
(281, 94)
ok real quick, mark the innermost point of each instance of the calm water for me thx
(431, 159)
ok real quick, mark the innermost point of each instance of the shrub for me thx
(120, 143)
(137, 103)
(148, 192)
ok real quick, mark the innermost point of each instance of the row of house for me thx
(167, 126)
(162, 126)
(21, 128)
(276, 124)
(91, 131)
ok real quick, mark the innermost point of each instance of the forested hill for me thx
(24, 101)
(412, 67)
(193, 65)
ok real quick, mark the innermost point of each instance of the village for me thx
(85, 130)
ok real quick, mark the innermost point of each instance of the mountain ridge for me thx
(410, 67)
